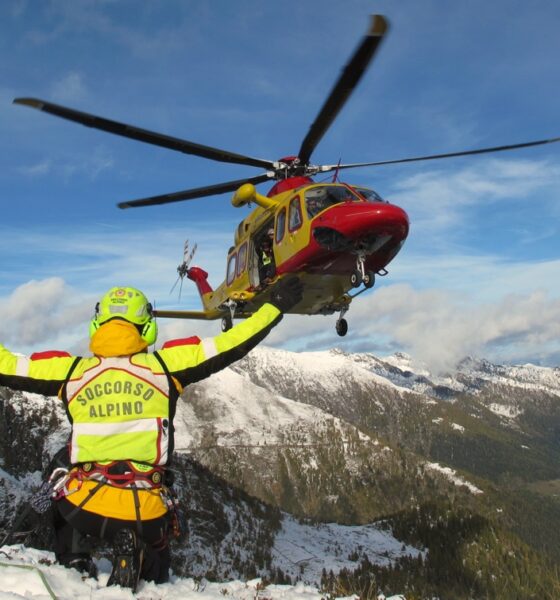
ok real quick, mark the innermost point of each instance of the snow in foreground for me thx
(18, 582)
(30, 573)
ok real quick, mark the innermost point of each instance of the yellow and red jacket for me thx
(121, 401)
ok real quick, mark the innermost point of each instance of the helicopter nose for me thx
(358, 220)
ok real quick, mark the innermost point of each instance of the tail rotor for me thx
(183, 268)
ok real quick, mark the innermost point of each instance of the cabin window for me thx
(294, 218)
(280, 225)
(231, 268)
(242, 259)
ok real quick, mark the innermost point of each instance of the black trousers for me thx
(72, 526)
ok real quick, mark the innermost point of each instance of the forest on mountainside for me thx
(477, 494)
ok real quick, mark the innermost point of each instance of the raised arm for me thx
(194, 362)
(42, 373)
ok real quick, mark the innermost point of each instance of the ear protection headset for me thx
(149, 329)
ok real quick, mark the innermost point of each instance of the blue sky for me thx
(479, 272)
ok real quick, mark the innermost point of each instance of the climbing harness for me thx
(121, 474)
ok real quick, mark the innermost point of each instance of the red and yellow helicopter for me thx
(335, 236)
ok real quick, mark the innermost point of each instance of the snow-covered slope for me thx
(304, 550)
(30, 573)
(300, 550)
(322, 376)
(230, 409)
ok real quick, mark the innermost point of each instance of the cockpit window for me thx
(369, 195)
(319, 198)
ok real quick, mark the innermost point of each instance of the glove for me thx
(287, 293)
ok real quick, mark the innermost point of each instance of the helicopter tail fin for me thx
(200, 278)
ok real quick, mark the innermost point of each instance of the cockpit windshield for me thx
(369, 195)
(321, 197)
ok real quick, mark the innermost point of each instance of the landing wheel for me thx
(356, 278)
(226, 324)
(369, 279)
(341, 327)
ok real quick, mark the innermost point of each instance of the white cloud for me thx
(102, 255)
(90, 165)
(38, 311)
(71, 88)
(86, 18)
(480, 278)
(66, 168)
(441, 328)
(436, 200)
(39, 169)
(436, 327)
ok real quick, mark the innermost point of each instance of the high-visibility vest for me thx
(119, 410)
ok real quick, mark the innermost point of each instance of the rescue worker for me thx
(267, 267)
(316, 201)
(121, 403)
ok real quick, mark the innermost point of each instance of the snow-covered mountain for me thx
(330, 371)
(365, 441)
(230, 409)
(347, 385)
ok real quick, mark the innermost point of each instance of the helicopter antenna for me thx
(335, 175)
(183, 268)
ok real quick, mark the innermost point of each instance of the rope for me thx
(41, 575)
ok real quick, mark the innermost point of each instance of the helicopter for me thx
(336, 236)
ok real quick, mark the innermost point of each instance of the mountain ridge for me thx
(351, 439)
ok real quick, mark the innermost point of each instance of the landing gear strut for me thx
(369, 279)
(360, 275)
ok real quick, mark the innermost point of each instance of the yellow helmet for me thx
(129, 304)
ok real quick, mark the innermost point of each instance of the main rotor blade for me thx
(201, 192)
(143, 135)
(327, 168)
(348, 80)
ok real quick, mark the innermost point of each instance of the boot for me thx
(127, 560)
(83, 564)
